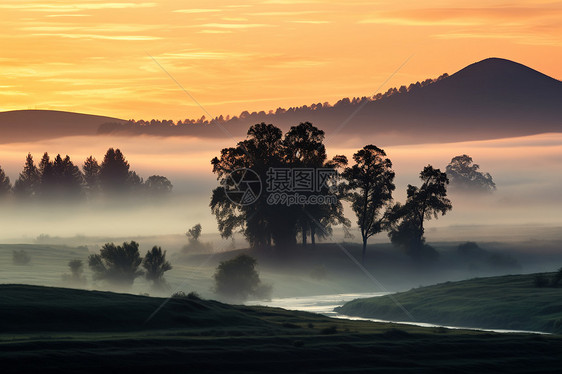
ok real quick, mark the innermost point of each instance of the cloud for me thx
(195, 11)
(233, 25)
(74, 7)
(99, 36)
(310, 22)
(462, 16)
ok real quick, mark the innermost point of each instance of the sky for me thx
(128, 59)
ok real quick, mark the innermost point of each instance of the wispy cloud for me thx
(233, 25)
(312, 22)
(74, 7)
(195, 11)
(100, 36)
(461, 16)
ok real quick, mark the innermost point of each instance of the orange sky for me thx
(94, 56)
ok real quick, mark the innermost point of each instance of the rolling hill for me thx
(33, 125)
(502, 302)
(57, 330)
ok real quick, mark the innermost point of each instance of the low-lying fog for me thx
(525, 209)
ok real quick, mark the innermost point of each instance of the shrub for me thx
(20, 257)
(540, 281)
(118, 265)
(237, 279)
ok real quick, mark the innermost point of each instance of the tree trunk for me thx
(364, 250)
(304, 236)
(312, 232)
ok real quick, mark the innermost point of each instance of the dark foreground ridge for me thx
(511, 302)
(55, 330)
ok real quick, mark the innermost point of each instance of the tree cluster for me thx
(60, 178)
(262, 223)
(368, 185)
(119, 265)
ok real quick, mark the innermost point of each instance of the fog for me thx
(522, 217)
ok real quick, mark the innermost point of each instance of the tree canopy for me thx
(370, 182)
(423, 203)
(262, 222)
(464, 175)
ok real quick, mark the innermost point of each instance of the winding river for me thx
(325, 304)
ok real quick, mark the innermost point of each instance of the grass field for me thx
(56, 330)
(504, 302)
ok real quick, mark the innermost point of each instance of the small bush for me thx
(237, 279)
(329, 330)
(540, 281)
(20, 257)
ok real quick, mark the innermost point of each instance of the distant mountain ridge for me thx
(492, 98)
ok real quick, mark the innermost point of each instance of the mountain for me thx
(33, 125)
(493, 98)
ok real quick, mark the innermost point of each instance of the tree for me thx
(237, 279)
(76, 273)
(158, 185)
(114, 172)
(260, 151)
(91, 170)
(5, 186)
(194, 233)
(304, 149)
(45, 174)
(263, 222)
(59, 178)
(156, 265)
(370, 182)
(118, 265)
(28, 182)
(406, 222)
(464, 175)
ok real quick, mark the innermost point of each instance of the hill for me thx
(56, 330)
(505, 302)
(493, 98)
(33, 125)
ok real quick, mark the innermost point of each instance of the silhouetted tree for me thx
(370, 182)
(194, 233)
(464, 175)
(5, 186)
(260, 151)
(118, 265)
(76, 276)
(157, 185)
(91, 170)
(237, 279)
(114, 172)
(156, 265)
(46, 174)
(304, 149)
(263, 222)
(423, 203)
(28, 182)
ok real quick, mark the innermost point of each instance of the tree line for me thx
(367, 184)
(156, 126)
(61, 178)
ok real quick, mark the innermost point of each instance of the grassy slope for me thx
(62, 330)
(506, 302)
